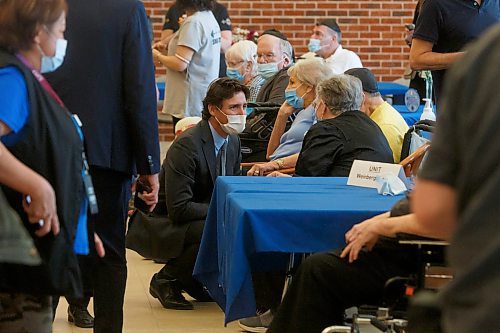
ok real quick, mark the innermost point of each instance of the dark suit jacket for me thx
(107, 78)
(190, 177)
(273, 90)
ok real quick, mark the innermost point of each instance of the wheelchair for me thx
(401, 311)
(258, 129)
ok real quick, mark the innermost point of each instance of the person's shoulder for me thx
(12, 74)
(12, 82)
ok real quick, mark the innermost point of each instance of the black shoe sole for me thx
(168, 305)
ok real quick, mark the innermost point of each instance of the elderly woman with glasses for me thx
(241, 61)
(342, 134)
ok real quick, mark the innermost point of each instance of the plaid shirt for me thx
(254, 86)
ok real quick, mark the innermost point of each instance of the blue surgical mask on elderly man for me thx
(268, 70)
(50, 64)
(296, 102)
(234, 73)
(314, 45)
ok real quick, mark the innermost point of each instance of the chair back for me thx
(411, 164)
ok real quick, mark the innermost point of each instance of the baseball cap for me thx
(367, 78)
(330, 23)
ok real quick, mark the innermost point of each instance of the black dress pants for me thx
(181, 268)
(112, 189)
(325, 285)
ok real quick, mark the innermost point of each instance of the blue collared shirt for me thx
(218, 140)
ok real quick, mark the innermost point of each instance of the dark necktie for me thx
(221, 161)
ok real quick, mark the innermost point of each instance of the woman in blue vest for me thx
(38, 130)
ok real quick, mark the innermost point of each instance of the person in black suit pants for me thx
(195, 159)
(107, 79)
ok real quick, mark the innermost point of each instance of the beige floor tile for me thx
(144, 314)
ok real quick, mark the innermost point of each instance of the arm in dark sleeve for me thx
(429, 22)
(237, 164)
(277, 95)
(139, 93)
(319, 151)
(222, 17)
(172, 19)
(180, 168)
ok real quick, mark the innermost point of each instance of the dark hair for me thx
(220, 90)
(20, 21)
(196, 5)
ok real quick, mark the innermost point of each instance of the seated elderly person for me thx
(300, 94)
(241, 61)
(342, 133)
(328, 283)
(274, 56)
(382, 113)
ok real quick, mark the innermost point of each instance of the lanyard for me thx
(87, 180)
(41, 79)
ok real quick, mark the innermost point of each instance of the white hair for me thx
(311, 71)
(245, 50)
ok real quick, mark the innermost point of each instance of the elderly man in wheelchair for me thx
(328, 283)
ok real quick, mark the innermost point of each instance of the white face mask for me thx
(50, 64)
(235, 123)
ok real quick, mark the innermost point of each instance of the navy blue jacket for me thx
(107, 78)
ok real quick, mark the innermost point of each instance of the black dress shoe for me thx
(169, 294)
(80, 317)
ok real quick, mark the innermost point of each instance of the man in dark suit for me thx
(107, 79)
(193, 162)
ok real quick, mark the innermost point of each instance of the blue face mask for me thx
(295, 101)
(314, 45)
(267, 70)
(50, 64)
(234, 73)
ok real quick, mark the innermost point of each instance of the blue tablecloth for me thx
(410, 117)
(251, 217)
(391, 88)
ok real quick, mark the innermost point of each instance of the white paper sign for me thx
(364, 173)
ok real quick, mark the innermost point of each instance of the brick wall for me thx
(372, 28)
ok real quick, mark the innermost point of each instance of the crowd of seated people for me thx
(342, 134)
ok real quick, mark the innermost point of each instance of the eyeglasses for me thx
(267, 57)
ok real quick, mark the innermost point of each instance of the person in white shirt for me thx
(325, 42)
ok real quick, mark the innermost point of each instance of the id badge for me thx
(89, 190)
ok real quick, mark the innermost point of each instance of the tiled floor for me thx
(144, 314)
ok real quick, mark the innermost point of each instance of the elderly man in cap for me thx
(382, 113)
(326, 41)
(274, 56)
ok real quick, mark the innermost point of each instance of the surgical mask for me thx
(235, 123)
(268, 70)
(234, 73)
(296, 102)
(50, 64)
(314, 45)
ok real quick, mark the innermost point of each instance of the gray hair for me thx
(245, 50)
(339, 36)
(287, 49)
(341, 93)
(311, 71)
